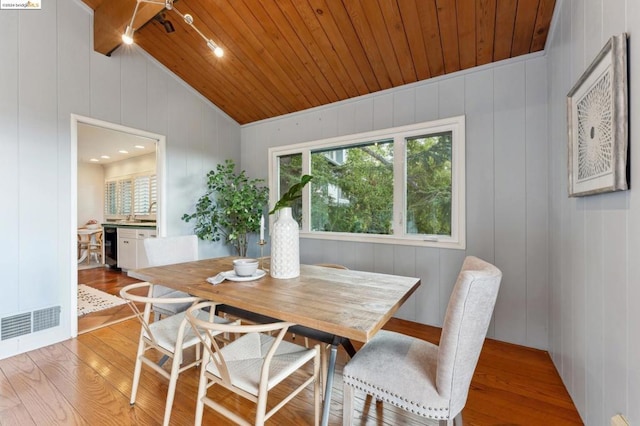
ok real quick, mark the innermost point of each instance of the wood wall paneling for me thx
(451, 97)
(427, 296)
(157, 109)
(37, 127)
(510, 201)
(471, 94)
(9, 151)
(592, 239)
(383, 111)
(594, 321)
(479, 128)
(105, 88)
(404, 107)
(134, 91)
(54, 72)
(616, 324)
(427, 105)
(633, 223)
(537, 201)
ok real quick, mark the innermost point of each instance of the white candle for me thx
(262, 228)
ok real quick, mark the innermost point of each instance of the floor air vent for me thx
(21, 324)
(46, 318)
(16, 325)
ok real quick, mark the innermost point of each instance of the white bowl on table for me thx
(93, 226)
(245, 267)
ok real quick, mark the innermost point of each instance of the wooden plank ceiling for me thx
(283, 56)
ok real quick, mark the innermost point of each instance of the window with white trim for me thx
(130, 195)
(404, 185)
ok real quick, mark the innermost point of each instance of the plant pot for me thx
(285, 246)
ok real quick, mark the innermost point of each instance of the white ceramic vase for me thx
(285, 246)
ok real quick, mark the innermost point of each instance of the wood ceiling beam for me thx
(110, 19)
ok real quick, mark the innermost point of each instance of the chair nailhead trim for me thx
(438, 413)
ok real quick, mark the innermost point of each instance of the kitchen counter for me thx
(130, 224)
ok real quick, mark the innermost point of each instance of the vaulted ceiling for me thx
(283, 56)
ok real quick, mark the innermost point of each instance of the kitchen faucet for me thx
(151, 206)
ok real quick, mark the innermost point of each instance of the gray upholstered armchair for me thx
(429, 380)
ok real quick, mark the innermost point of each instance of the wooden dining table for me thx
(331, 305)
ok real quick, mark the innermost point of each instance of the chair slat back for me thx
(148, 301)
(206, 330)
(465, 327)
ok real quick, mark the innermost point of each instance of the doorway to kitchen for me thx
(118, 181)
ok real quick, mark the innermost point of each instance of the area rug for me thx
(93, 300)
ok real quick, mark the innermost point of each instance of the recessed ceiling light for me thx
(139, 146)
(123, 151)
(106, 157)
(95, 160)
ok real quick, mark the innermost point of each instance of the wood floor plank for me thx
(40, 397)
(117, 371)
(81, 384)
(12, 411)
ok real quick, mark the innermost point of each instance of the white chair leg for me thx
(202, 392)
(261, 404)
(173, 380)
(347, 405)
(136, 373)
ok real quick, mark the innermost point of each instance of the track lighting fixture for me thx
(127, 36)
(162, 19)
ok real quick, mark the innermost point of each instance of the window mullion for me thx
(306, 192)
(399, 180)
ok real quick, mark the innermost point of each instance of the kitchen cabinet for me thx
(131, 253)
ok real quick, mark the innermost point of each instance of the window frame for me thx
(456, 125)
(131, 179)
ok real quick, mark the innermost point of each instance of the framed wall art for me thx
(598, 123)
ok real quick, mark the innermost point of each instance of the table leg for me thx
(329, 386)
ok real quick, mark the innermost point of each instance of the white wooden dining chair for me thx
(429, 380)
(251, 365)
(170, 337)
(167, 251)
(95, 247)
(83, 245)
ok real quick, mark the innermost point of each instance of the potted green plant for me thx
(231, 207)
(292, 195)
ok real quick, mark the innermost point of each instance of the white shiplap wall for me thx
(506, 126)
(594, 335)
(48, 71)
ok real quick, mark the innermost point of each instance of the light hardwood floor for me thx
(87, 381)
(111, 282)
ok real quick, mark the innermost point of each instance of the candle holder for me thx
(262, 243)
